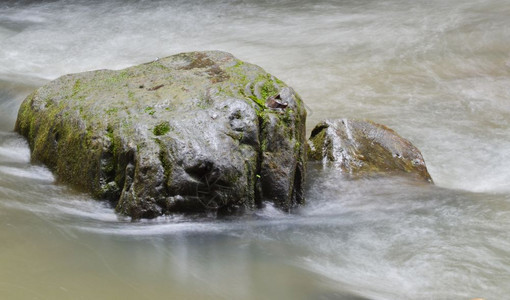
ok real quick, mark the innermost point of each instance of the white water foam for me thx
(13, 149)
(34, 173)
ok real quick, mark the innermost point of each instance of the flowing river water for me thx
(436, 71)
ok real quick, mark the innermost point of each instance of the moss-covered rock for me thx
(187, 133)
(364, 148)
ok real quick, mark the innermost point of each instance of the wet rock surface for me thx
(193, 132)
(365, 148)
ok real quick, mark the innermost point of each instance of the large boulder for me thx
(364, 148)
(193, 132)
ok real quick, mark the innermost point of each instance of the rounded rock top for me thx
(365, 148)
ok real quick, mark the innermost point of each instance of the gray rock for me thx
(364, 148)
(186, 133)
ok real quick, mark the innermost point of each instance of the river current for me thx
(438, 72)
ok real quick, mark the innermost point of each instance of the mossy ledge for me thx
(187, 133)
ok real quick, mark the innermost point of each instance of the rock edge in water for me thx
(364, 148)
(193, 132)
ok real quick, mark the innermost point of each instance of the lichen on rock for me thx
(186, 133)
(364, 148)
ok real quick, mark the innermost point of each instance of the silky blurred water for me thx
(438, 72)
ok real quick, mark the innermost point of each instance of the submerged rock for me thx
(364, 148)
(186, 133)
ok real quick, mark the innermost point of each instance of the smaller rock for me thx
(365, 148)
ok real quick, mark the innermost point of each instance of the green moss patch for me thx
(161, 129)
